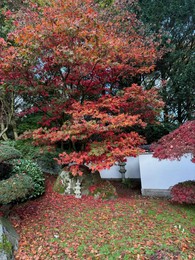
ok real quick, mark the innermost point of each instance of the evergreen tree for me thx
(174, 20)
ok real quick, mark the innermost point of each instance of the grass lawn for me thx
(130, 227)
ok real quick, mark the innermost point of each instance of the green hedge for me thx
(15, 188)
(25, 147)
(31, 169)
(20, 179)
(8, 153)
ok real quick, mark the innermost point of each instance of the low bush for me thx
(8, 153)
(20, 179)
(43, 157)
(31, 169)
(15, 188)
(25, 147)
(48, 164)
(183, 192)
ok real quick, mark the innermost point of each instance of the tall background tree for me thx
(174, 20)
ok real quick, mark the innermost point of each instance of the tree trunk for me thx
(3, 134)
(14, 127)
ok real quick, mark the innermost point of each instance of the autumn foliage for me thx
(63, 227)
(183, 192)
(178, 143)
(69, 58)
(100, 127)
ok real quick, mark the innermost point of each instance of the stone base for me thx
(156, 193)
(8, 240)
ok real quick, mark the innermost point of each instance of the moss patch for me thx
(104, 190)
(58, 186)
(6, 246)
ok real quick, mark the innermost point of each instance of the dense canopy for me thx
(67, 59)
(178, 143)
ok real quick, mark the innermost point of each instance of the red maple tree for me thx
(177, 143)
(70, 57)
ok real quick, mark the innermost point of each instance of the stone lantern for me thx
(78, 189)
(122, 169)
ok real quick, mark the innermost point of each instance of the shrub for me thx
(30, 168)
(25, 147)
(15, 188)
(8, 153)
(48, 164)
(183, 192)
(43, 157)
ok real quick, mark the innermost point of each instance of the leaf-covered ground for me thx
(130, 227)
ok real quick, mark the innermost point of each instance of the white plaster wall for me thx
(163, 174)
(132, 170)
